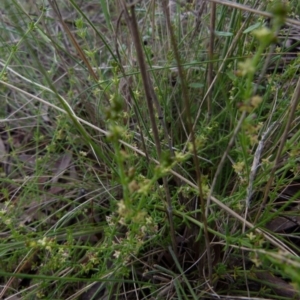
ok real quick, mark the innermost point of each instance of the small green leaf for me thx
(223, 33)
(252, 27)
(196, 85)
(231, 75)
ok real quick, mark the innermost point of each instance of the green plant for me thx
(145, 156)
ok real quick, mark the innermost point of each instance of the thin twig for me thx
(252, 10)
(210, 57)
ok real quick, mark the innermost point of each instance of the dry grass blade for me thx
(63, 164)
(3, 154)
(211, 56)
(251, 10)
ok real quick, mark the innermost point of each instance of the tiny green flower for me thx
(43, 241)
(251, 236)
(83, 153)
(239, 166)
(7, 221)
(264, 35)
(246, 67)
(121, 207)
(278, 49)
(149, 220)
(117, 254)
(79, 23)
(256, 260)
(255, 101)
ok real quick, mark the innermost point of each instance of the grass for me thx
(144, 156)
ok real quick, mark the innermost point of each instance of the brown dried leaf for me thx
(281, 224)
(3, 153)
(279, 285)
(63, 164)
